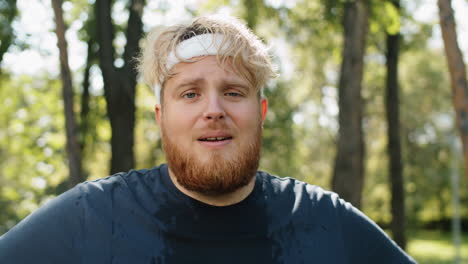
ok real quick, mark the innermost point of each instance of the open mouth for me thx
(214, 139)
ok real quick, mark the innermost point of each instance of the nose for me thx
(214, 109)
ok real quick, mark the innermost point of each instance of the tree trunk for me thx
(4, 45)
(119, 84)
(457, 71)
(84, 114)
(348, 175)
(8, 13)
(393, 133)
(86, 129)
(73, 147)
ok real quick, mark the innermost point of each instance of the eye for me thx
(189, 95)
(233, 94)
(235, 91)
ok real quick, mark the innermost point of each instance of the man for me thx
(209, 204)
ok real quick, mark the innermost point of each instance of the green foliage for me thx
(212, 5)
(435, 247)
(333, 10)
(385, 18)
(31, 139)
(8, 12)
(88, 31)
(96, 152)
(76, 10)
(279, 138)
(428, 131)
(300, 130)
(147, 137)
(427, 134)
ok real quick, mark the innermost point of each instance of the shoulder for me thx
(107, 196)
(119, 180)
(300, 192)
(71, 202)
(51, 233)
(123, 183)
(294, 201)
(57, 230)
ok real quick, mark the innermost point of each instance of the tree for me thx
(88, 34)
(8, 12)
(119, 83)
(73, 147)
(251, 8)
(348, 175)
(457, 72)
(393, 133)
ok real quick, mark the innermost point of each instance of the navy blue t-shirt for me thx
(141, 217)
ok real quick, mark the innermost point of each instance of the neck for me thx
(216, 200)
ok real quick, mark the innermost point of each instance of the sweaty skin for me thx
(206, 101)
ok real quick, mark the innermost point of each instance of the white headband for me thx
(199, 45)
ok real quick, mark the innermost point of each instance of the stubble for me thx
(217, 175)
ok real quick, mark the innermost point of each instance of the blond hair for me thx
(240, 47)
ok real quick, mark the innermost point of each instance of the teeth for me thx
(214, 138)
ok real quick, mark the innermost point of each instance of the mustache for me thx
(217, 125)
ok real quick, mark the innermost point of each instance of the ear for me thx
(157, 114)
(264, 108)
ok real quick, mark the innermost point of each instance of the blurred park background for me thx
(365, 105)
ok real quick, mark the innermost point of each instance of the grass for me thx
(435, 247)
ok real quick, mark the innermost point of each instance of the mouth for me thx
(214, 139)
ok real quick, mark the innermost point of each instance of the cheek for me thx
(247, 116)
(178, 120)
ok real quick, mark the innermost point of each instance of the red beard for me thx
(218, 176)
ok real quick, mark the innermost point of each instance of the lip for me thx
(215, 134)
(215, 144)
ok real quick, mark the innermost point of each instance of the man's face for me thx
(211, 123)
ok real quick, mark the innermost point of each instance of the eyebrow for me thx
(192, 81)
(188, 82)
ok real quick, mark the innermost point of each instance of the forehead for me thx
(206, 68)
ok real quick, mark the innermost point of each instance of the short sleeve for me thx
(365, 241)
(49, 235)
